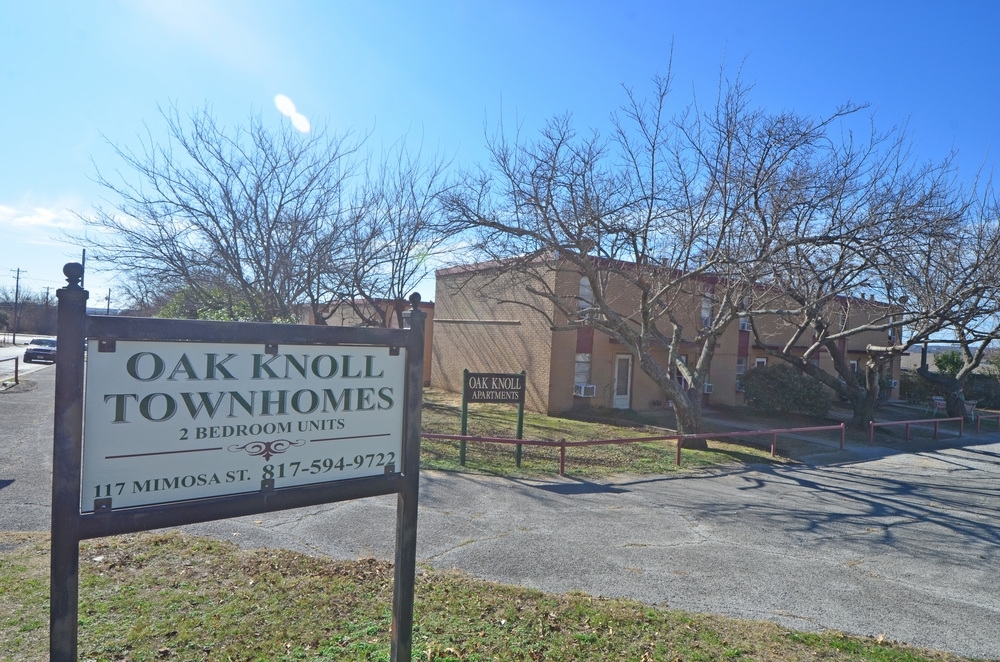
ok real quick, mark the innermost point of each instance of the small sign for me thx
(173, 421)
(494, 387)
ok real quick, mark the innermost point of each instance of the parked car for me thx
(40, 349)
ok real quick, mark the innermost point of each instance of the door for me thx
(623, 381)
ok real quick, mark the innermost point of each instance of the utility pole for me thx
(45, 313)
(17, 309)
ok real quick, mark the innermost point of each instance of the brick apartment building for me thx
(489, 323)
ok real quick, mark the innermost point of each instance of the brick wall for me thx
(474, 331)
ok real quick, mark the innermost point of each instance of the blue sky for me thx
(72, 72)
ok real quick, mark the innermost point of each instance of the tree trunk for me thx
(864, 410)
(955, 402)
(865, 401)
(687, 411)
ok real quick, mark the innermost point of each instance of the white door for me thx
(623, 381)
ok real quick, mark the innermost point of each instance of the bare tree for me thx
(955, 282)
(903, 233)
(245, 220)
(393, 237)
(27, 310)
(672, 221)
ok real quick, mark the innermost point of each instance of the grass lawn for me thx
(156, 596)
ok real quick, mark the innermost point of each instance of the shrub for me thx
(915, 388)
(782, 388)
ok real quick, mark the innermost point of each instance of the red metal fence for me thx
(15, 360)
(562, 445)
(989, 417)
(872, 425)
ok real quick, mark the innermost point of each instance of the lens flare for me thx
(284, 105)
(301, 122)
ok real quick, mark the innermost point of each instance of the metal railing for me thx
(989, 417)
(562, 444)
(872, 425)
(15, 359)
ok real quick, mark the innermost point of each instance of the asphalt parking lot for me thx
(874, 541)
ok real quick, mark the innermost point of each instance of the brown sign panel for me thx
(494, 387)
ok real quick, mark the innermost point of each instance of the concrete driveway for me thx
(881, 542)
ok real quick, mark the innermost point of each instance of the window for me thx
(586, 294)
(741, 369)
(760, 362)
(744, 324)
(683, 359)
(706, 311)
(854, 366)
(815, 362)
(585, 302)
(581, 374)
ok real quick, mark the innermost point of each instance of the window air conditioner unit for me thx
(709, 388)
(585, 390)
(893, 383)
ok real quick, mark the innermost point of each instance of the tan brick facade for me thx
(471, 332)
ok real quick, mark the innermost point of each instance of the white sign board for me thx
(173, 421)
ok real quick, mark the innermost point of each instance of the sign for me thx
(493, 387)
(170, 422)
(173, 421)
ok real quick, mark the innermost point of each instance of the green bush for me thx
(781, 388)
(915, 388)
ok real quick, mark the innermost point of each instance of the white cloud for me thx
(38, 219)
